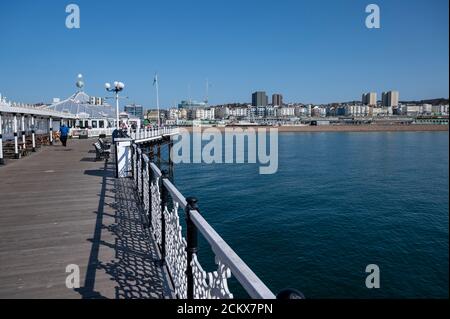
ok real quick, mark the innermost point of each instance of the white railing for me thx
(144, 134)
(94, 132)
(162, 204)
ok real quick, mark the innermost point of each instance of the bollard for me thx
(290, 293)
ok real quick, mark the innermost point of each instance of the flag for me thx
(155, 80)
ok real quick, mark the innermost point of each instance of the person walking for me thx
(64, 131)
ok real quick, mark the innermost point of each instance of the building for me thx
(357, 110)
(427, 109)
(392, 98)
(221, 112)
(286, 111)
(87, 115)
(412, 110)
(93, 100)
(239, 112)
(439, 109)
(316, 111)
(205, 114)
(277, 100)
(384, 99)
(191, 104)
(369, 99)
(381, 111)
(260, 98)
(271, 111)
(135, 110)
(152, 115)
(309, 110)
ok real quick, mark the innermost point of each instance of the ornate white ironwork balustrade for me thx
(139, 171)
(155, 195)
(162, 204)
(146, 185)
(211, 285)
(176, 256)
(134, 163)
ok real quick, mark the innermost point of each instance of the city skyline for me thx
(319, 59)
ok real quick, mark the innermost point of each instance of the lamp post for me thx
(118, 86)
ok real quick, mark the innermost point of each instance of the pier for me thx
(60, 207)
(122, 221)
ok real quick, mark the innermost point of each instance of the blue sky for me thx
(311, 51)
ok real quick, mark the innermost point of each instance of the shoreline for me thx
(342, 128)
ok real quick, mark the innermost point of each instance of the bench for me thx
(104, 145)
(100, 152)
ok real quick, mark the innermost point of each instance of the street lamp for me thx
(118, 86)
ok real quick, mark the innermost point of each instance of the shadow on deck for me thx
(59, 207)
(133, 269)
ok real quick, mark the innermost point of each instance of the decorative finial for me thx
(80, 82)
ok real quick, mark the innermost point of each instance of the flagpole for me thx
(157, 97)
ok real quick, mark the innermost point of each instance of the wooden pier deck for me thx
(60, 207)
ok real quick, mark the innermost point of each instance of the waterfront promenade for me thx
(60, 207)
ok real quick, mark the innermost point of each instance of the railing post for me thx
(170, 150)
(33, 134)
(2, 161)
(132, 161)
(150, 179)
(159, 154)
(135, 179)
(50, 129)
(142, 175)
(164, 202)
(192, 246)
(22, 126)
(16, 145)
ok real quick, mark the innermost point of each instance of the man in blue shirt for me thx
(64, 131)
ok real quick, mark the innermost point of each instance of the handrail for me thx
(174, 193)
(155, 170)
(141, 135)
(246, 277)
